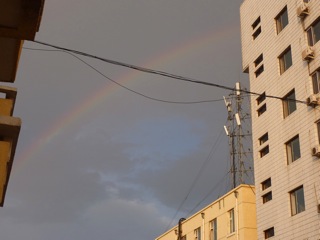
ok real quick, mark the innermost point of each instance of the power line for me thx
(161, 73)
(119, 84)
(196, 178)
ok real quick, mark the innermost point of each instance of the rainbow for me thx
(67, 119)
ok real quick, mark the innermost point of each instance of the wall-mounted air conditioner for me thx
(313, 100)
(308, 54)
(303, 10)
(315, 151)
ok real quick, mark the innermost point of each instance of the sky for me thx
(97, 161)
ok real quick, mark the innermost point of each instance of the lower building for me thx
(232, 216)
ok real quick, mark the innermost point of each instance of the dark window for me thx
(256, 33)
(293, 149)
(262, 109)
(313, 33)
(214, 229)
(285, 60)
(316, 81)
(282, 20)
(269, 233)
(289, 104)
(267, 197)
(256, 23)
(266, 184)
(261, 98)
(263, 138)
(264, 151)
(297, 201)
(258, 60)
(259, 71)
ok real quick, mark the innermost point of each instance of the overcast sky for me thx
(96, 161)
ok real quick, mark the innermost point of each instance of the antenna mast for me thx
(239, 138)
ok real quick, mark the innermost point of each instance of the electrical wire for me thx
(212, 150)
(161, 73)
(121, 85)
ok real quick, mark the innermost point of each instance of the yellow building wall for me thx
(4, 158)
(244, 212)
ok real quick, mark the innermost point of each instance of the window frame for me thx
(232, 225)
(264, 138)
(268, 233)
(297, 207)
(261, 98)
(315, 78)
(267, 197)
(293, 153)
(266, 184)
(197, 233)
(280, 23)
(285, 60)
(213, 229)
(289, 103)
(313, 36)
(264, 151)
(261, 110)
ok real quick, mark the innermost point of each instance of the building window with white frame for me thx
(214, 229)
(268, 233)
(289, 103)
(293, 149)
(316, 81)
(282, 20)
(232, 224)
(197, 233)
(313, 33)
(285, 60)
(297, 201)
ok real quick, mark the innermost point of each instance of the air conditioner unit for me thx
(308, 54)
(303, 10)
(315, 151)
(312, 100)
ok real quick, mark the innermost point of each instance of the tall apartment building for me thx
(231, 217)
(281, 54)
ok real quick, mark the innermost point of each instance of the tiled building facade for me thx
(281, 54)
(231, 217)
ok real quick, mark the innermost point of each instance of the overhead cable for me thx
(161, 73)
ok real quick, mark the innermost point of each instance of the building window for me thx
(316, 81)
(231, 221)
(318, 130)
(259, 71)
(282, 20)
(214, 229)
(256, 27)
(269, 233)
(289, 103)
(264, 151)
(261, 98)
(285, 60)
(297, 201)
(267, 197)
(197, 234)
(293, 149)
(257, 62)
(266, 184)
(313, 33)
(263, 138)
(262, 109)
